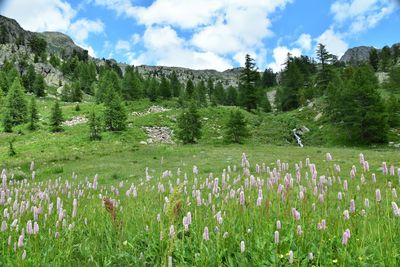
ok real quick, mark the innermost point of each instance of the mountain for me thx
(14, 44)
(361, 53)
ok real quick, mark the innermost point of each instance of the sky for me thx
(211, 34)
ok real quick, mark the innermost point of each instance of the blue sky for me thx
(211, 34)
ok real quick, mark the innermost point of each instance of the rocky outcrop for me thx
(159, 135)
(357, 54)
(51, 75)
(59, 43)
(152, 109)
(76, 121)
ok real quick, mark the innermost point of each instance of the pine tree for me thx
(176, 86)
(164, 89)
(189, 89)
(76, 91)
(66, 93)
(247, 88)
(374, 59)
(29, 79)
(33, 115)
(210, 87)
(231, 96)
(219, 94)
(393, 110)
(200, 92)
(385, 58)
(236, 128)
(114, 114)
(263, 101)
(94, 127)
(189, 125)
(362, 113)
(152, 89)
(325, 72)
(292, 81)
(15, 108)
(39, 86)
(394, 79)
(132, 87)
(268, 78)
(56, 118)
(109, 82)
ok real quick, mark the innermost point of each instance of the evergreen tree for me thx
(39, 86)
(164, 89)
(268, 78)
(394, 79)
(189, 89)
(219, 94)
(15, 108)
(263, 101)
(362, 112)
(176, 86)
(56, 118)
(38, 45)
(7, 121)
(66, 93)
(236, 128)
(210, 87)
(115, 115)
(33, 115)
(76, 91)
(94, 127)
(292, 81)
(393, 110)
(132, 85)
(231, 96)
(189, 125)
(3, 81)
(325, 71)
(200, 92)
(109, 83)
(248, 78)
(152, 89)
(374, 59)
(385, 58)
(54, 61)
(29, 79)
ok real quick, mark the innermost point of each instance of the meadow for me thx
(66, 201)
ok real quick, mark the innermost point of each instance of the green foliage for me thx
(268, 78)
(15, 109)
(189, 125)
(374, 59)
(357, 107)
(56, 118)
(29, 79)
(248, 79)
(94, 127)
(292, 81)
(236, 128)
(11, 150)
(176, 86)
(115, 114)
(132, 86)
(165, 89)
(38, 45)
(219, 95)
(394, 79)
(39, 86)
(200, 92)
(189, 89)
(393, 110)
(231, 96)
(385, 57)
(33, 115)
(109, 83)
(152, 86)
(54, 61)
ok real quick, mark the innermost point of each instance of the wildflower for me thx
(394, 193)
(24, 255)
(346, 215)
(291, 257)
(242, 247)
(352, 206)
(225, 235)
(299, 230)
(378, 195)
(21, 240)
(346, 237)
(205, 234)
(74, 207)
(310, 256)
(242, 198)
(328, 156)
(276, 237)
(340, 196)
(335, 261)
(35, 228)
(169, 261)
(172, 231)
(366, 203)
(3, 226)
(278, 225)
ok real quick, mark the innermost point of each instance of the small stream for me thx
(298, 139)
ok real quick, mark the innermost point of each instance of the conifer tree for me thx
(219, 94)
(56, 118)
(152, 89)
(76, 91)
(231, 96)
(109, 82)
(29, 78)
(210, 87)
(114, 114)
(94, 127)
(236, 128)
(393, 110)
(200, 92)
(165, 89)
(292, 80)
(39, 86)
(268, 78)
(374, 59)
(247, 88)
(33, 115)
(189, 125)
(131, 85)
(66, 93)
(15, 108)
(385, 58)
(189, 89)
(176, 86)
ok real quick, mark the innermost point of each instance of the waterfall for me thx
(298, 139)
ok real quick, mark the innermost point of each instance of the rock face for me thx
(75, 121)
(60, 43)
(152, 109)
(228, 77)
(357, 54)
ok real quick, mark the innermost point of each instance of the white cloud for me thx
(41, 15)
(171, 50)
(81, 29)
(333, 41)
(361, 15)
(136, 38)
(280, 55)
(304, 41)
(123, 45)
(217, 29)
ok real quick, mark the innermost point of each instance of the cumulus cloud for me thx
(361, 15)
(280, 55)
(123, 45)
(333, 41)
(304, 41)
(81, 29)
(219, 31)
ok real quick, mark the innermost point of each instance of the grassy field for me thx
(163, 205)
